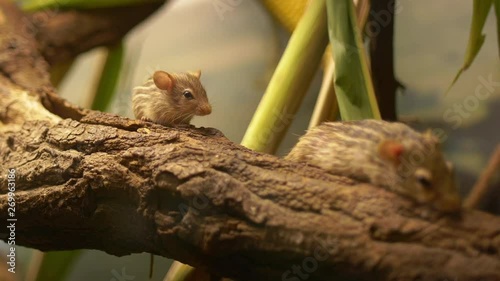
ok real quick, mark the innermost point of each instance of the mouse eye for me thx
(424, 178)
(188, 95)
(424, 182)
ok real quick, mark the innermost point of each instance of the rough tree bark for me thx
(63, 35)
(99, 181)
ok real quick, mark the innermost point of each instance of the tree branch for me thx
(64, 34)
(124, 186)
(482, 186)
(99, 181)
(381, 32)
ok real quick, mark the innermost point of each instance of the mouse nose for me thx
(205, 109)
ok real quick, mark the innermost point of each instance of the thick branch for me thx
(123, 187)
(63, 35)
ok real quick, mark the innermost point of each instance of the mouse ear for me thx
(163, 80)
(196, 74)
(391, 150)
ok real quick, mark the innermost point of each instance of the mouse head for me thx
(423, 171)
(184, 93)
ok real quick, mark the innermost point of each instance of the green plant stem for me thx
(497, 14)
(34, 5)
(290, 81)
(53, 266)
(109, 78)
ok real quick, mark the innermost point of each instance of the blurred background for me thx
(237, 51)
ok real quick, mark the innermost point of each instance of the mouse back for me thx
(391, 155)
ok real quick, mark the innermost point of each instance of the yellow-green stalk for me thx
(290, 81)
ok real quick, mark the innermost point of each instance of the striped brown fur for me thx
(353, 149)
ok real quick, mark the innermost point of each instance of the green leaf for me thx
(109, 78)
(33, 5)
(290, 81)
(54, 266)
(352, 79)
(481, 8)
(497, 13)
